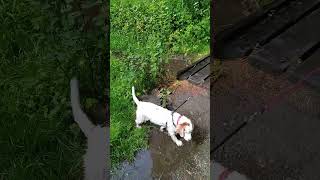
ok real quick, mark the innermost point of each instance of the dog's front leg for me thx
(162, 128)
(175, 139)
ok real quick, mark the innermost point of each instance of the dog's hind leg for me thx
(139, 119)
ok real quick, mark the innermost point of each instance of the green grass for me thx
(41, 47)
(144, 35)
(123, 133)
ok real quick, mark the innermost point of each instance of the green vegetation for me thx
(42, 45)
(144, 35)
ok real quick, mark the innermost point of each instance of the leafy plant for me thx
(164, 95)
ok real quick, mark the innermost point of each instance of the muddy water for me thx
(164, 159)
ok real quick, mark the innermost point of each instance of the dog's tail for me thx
(135, 99)
(79, 116)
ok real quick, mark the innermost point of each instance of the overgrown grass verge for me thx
(144, 35)
(122, 129)
(42, 47)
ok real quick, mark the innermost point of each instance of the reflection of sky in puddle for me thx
(140, 169)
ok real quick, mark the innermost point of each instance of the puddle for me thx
(164, 159)
(141, 168)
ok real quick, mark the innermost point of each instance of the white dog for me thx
(174, 123)
(95, 159)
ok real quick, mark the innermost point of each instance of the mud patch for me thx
(176, 64)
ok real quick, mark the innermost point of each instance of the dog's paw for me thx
(179, 143)
(138, 126)
(187, 138)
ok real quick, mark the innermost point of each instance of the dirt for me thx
(164, 159)
(243, 77)
(178, 63)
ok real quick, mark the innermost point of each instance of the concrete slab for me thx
(271, 147)
(195, 68)
(310, 68)
(277, 55)
(280, 144)
(219, 172)
(238, 93)
(261, 27)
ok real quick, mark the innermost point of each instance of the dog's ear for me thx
(185, 124)
(180, 128)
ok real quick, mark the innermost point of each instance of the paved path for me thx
(281, 143)
(218, 172)
(273, 50)
(283, 38)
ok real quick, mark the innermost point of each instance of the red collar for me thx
(179, 119)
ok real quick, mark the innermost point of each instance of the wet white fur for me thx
(162, 117)
(95, 158)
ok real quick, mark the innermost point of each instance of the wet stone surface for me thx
(279, 144)
(164, 159)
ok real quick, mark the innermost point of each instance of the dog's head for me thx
(185, 129)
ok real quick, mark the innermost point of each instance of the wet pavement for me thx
(229, 12)
(164, 159)
(281, 143)
(219, 172)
